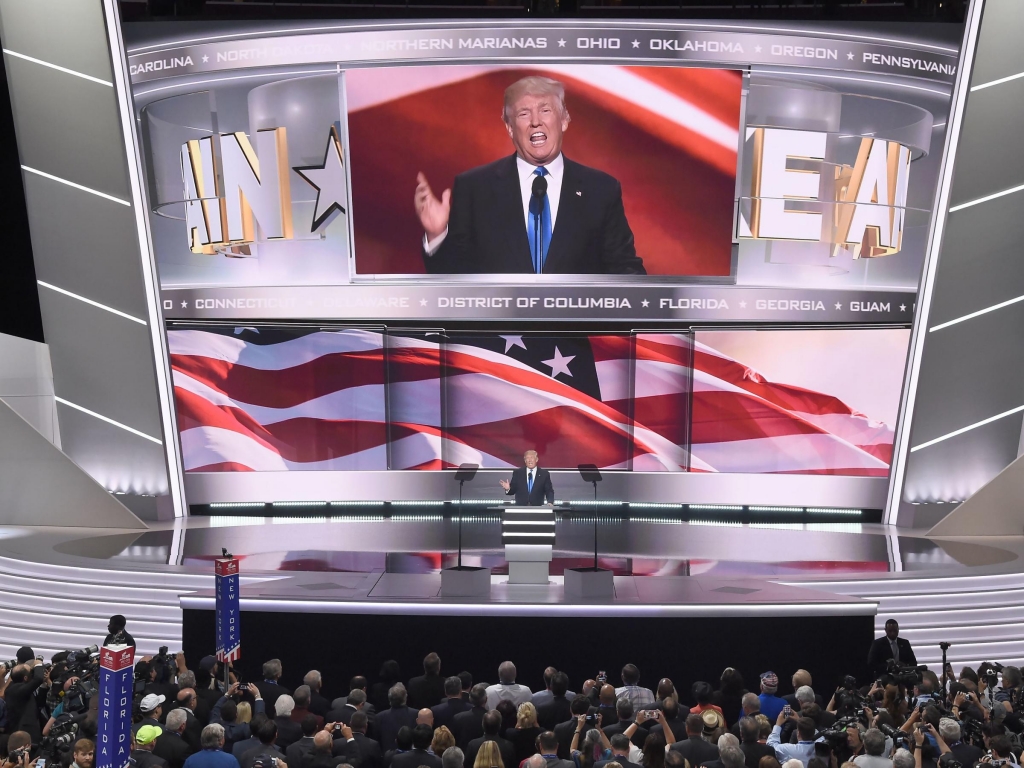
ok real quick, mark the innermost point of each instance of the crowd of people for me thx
(183, 717)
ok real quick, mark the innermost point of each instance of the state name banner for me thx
(113, 737)
(229, 636)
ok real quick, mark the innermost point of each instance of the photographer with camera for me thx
(22, 710)
(951, 733)
(803, 750)
(1000, 752)
(225, 712)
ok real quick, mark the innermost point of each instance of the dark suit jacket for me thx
(524, 741)
(752, 753)
(172, 748)
(542, 489)
(193, 732)
(370, 755)
(880, 653)
(697, 751)
(487, 226)
(556, 711)
(445, 712)
(239, 748)
(508, 752)
(564, 732)
(296, 752)
(637, 738)
(270, 692)
(390, 721)
(678, 727)
(468, 725)
(319, 705)
(425, 691)
(288, 732)
(414, 758)
(145, 759)
(250, 755)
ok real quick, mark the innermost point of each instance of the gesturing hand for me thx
(505, 484)
(433, 213)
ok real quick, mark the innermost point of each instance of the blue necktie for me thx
(539, 224)
(529, 482)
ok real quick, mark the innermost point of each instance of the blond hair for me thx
(533, 86)
(526, 716)
(489, 756)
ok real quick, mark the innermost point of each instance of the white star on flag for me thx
(559, 363)
(513, 341)
(329, 182)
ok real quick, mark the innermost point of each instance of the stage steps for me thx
(981, 615)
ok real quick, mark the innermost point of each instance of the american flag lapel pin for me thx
(578, 193)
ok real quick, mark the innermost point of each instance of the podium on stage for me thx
(528, 534)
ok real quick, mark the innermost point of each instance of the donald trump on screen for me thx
(535, 211)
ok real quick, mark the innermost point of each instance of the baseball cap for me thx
(150, 702)
(207, 663)
(769, 681)
(147, 734)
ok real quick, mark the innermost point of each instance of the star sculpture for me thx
(559, 363)
(328, 180)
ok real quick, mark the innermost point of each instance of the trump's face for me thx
(536, 127)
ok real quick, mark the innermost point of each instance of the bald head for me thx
(322, 742)
(801, 677)
(425, 717)
(536, 761)
(608, 694)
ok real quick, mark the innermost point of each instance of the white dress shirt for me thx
(555, 173)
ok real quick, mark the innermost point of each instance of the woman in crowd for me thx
(524, 735)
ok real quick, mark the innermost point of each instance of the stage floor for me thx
(58, 586)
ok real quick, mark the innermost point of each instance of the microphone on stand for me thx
(540, 188)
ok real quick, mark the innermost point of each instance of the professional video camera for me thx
(899, 738)
(850, 702)
(62, 737)
(83, 665)
(165, 664)
(906, 675)
(835, 735)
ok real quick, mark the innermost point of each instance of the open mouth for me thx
(537, 138)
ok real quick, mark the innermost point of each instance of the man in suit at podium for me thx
(530, 484)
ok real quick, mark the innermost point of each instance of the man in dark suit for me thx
(445, 712)
(170, 745)
(297, 751)
(891, 646)
(418, 755)
(564, 731)
(548, 754)
(193, 728)
(491, 727)
(675, 723)
(267, 735)
(269, 686)
(533, 212)
(288, 731)
(468, 725)
(559, 708)
(427, 689)
(530, 484)
(318, 703)
(624, 710)
(694, 748)
(398, 715)
(620, 753)
(370, 755)
(751, 748)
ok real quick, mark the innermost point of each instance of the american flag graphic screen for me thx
(277, 398)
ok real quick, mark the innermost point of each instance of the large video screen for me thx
(649, 172)
(272, 398)
(626, 136)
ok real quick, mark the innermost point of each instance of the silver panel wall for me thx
(964, 426)
(75, 132)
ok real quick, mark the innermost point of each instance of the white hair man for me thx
(478, 224)
(530, 483)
